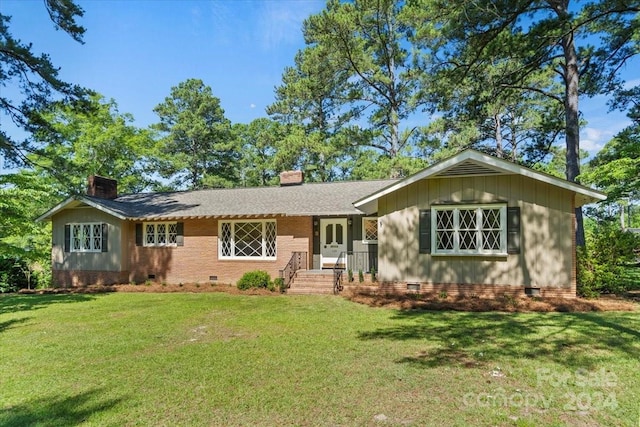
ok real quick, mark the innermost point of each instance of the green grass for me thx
(218, 359)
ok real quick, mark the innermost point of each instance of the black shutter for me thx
(180, 236)
(67, 237)
(425, 231)
(513, 230)
(105, 237)
(138, 234)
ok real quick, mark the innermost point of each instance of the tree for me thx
(584, 46)
(309, 102)
(196, 149)
(260, 142)
(103, 142)
(79, 144)
(368, 70)
(37, 79)
(25, 245)
(480, 114)
(616, 168)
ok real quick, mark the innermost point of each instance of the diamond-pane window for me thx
(160, 234)
(161, 230)
(491, 229)
(469, 230)
(172, 235)
(150, 230)
(444, 230)
(270, 239)
(76, 237)
(96, 235)
(86, 237)
(225, 239)
(370, 230)
(445, 240)
(248, 239)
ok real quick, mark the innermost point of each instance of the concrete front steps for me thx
(311, 282)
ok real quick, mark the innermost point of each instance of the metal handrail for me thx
(297, 262)
(337, 274)
(360, 260)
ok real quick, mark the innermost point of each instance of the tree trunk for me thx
(498, 134)
(571, 112)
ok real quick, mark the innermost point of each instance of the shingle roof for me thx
(335, 198)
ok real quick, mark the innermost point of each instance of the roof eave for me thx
(64, 205)
(588, 195)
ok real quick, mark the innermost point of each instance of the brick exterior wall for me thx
(198, 259)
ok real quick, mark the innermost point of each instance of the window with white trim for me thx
(86, 237)
(247, 239)
(369, 230)
(160, 234)
(469, 230)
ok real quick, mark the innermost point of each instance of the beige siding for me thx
(92, 261)
(547, 220)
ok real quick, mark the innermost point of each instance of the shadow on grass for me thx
(62, 411)
(17, 302)
(12, 322)
(476, 339)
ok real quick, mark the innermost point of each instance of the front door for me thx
(333, 240)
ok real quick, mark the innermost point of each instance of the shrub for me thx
(373, 274)
(360, 276)
(255, 279)
(12, 273)
(350, 275)
(278, 284)
(600, 264)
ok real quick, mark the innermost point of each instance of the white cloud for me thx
(593, 140)
(252, 105)
(281, 21)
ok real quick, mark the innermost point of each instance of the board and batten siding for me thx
(545, 259)
(112, 260)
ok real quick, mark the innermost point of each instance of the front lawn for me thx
(221, 359)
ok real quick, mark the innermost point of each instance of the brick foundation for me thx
(70, 278)
(477, 290)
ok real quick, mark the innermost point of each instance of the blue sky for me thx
(136, 50)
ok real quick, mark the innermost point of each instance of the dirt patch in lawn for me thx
(501, 303)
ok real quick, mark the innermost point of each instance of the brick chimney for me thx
(105, 188)
(290, 178)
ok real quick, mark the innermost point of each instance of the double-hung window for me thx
(85, 237)
(160, 234)
(247, 239)
(469, 229)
